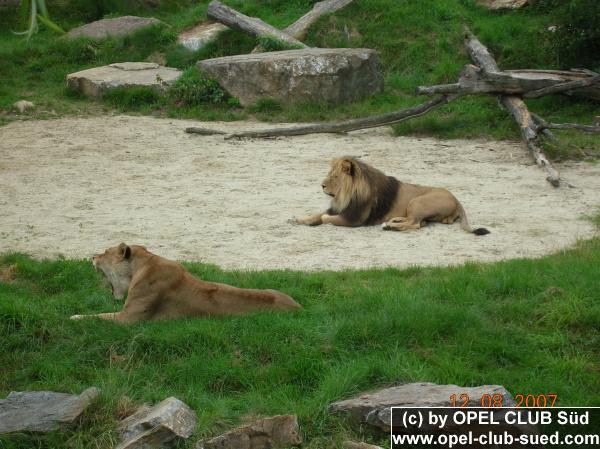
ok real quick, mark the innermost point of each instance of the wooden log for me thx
(543, 125)
(529, 84)
(353, 124)
(251, 25)
(521, 114)
(482, 58)
(203, 131)
(299, 28)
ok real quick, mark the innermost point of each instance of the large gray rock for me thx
(117, 27)
(42, 411)
(268, 433)
(95, 82)
(202, 34)
(374, 408)
(155, 427)
(333, 75)
(356, 445)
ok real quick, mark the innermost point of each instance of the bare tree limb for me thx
(251, 25)
(203, 131)
(349, 125)
(529, 84)
(518, 109)
(299, 28)
(563, 87)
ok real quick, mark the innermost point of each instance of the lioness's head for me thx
(345, 182)
(115, 264)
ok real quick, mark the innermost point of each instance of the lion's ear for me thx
(125, 251)
(348, 167)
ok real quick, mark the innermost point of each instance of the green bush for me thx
(194, 88)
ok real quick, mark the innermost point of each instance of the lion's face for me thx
(114, 263)
(341, 182)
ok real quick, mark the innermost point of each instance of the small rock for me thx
(117, 27)
(203, 33)
(95, 82)
(154, 427)
(23, 105)
(354, 445)
(374, 408)
(503, 4)
(42, 411)
(268, 433)
(334, 75)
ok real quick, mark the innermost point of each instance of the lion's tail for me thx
(464, 223)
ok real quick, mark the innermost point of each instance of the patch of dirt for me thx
(78, 185)
(8, 274)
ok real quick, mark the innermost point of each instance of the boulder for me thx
(23, 105)
(95, 82)
(117, 27)
(268, 433)
(155, 427)
(503, 4)
(203, 33)
(42, 411)
(334, 75)
(374, 408)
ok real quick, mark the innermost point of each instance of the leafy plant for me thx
(194, 87)
(32, 11)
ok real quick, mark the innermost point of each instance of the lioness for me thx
(159, 289)
(362, 195)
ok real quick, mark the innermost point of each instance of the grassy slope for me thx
(531, 325)
(419, 43)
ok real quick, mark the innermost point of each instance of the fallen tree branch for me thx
(529, 84)
(251, 25)
(299, 28)
(203, 131)
(350, 125)
(563, 87)
(543, 125)
(482, 58)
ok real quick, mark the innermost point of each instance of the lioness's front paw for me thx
(76, 317)
(386, 227)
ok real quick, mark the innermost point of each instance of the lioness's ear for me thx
(125, 250)
(348, 167)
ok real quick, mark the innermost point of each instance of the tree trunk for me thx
(251, 25)
(483, 59)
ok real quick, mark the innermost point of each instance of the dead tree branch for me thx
(299, 28)
(251, 25)
(350, 125)
(518, 109)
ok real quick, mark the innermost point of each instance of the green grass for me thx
(419, 43)
(531, 325)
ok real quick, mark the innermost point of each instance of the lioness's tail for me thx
(464, 223)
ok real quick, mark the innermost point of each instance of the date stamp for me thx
(499, 400)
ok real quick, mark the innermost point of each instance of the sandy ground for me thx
(76, 186)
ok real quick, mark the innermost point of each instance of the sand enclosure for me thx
(75, 186)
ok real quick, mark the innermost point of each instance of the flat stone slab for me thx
(117, 27)
(503, 4)
(203, 33)
(157, 426)
(42, 411)
(95, 82)
(268, 433)
(374, 408)
(334, 75)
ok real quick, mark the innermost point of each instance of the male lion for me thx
(362, 195)
(159, 289)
